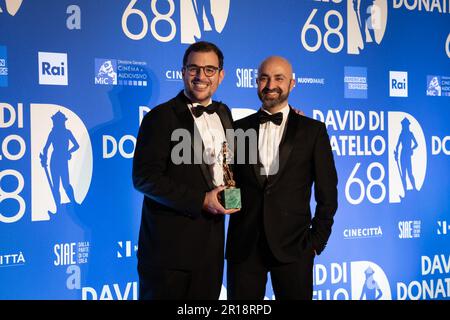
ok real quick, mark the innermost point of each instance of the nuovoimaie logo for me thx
(61, 153)
(11, 6)
(367, 20)
(200, 17)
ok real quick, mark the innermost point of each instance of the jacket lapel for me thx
(257, 167)
(286, 145)
(227, 124)
(187, 122)
(224, 116)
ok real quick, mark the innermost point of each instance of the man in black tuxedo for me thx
(181, 237)
(275, 231)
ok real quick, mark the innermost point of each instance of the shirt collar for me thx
(284, 110)
(194, 104)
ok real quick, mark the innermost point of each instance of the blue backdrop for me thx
(81, 74)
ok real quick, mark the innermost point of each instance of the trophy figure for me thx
(230, 197)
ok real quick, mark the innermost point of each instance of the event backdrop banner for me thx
(76, 78)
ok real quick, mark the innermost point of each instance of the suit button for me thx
(267, 191)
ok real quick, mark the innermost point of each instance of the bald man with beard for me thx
(275, 230)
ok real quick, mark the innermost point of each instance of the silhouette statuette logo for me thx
(58, 173)
(61, 161)
(12, 6)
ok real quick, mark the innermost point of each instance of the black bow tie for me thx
(210, 109)
(276, 118)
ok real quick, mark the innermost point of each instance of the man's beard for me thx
(270, 103)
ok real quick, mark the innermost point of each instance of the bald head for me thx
(274, 83)
(276, 61)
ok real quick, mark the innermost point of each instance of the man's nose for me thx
(200, 74)
(270, 84)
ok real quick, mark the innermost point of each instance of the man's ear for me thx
(221, 75)
(291, 85)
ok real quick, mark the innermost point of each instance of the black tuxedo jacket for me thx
(279, 206)
(174, 230)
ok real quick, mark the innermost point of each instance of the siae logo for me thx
(198, 18)
(11, 6)
(409, 229)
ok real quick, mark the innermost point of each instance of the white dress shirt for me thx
(269, 141)
(213, 135)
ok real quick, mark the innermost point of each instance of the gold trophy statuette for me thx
(230, 197)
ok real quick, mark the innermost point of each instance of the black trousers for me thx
(202, 283)
(290, 281)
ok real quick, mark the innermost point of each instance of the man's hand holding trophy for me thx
(230, 197)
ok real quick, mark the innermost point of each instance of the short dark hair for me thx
(203, 46)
